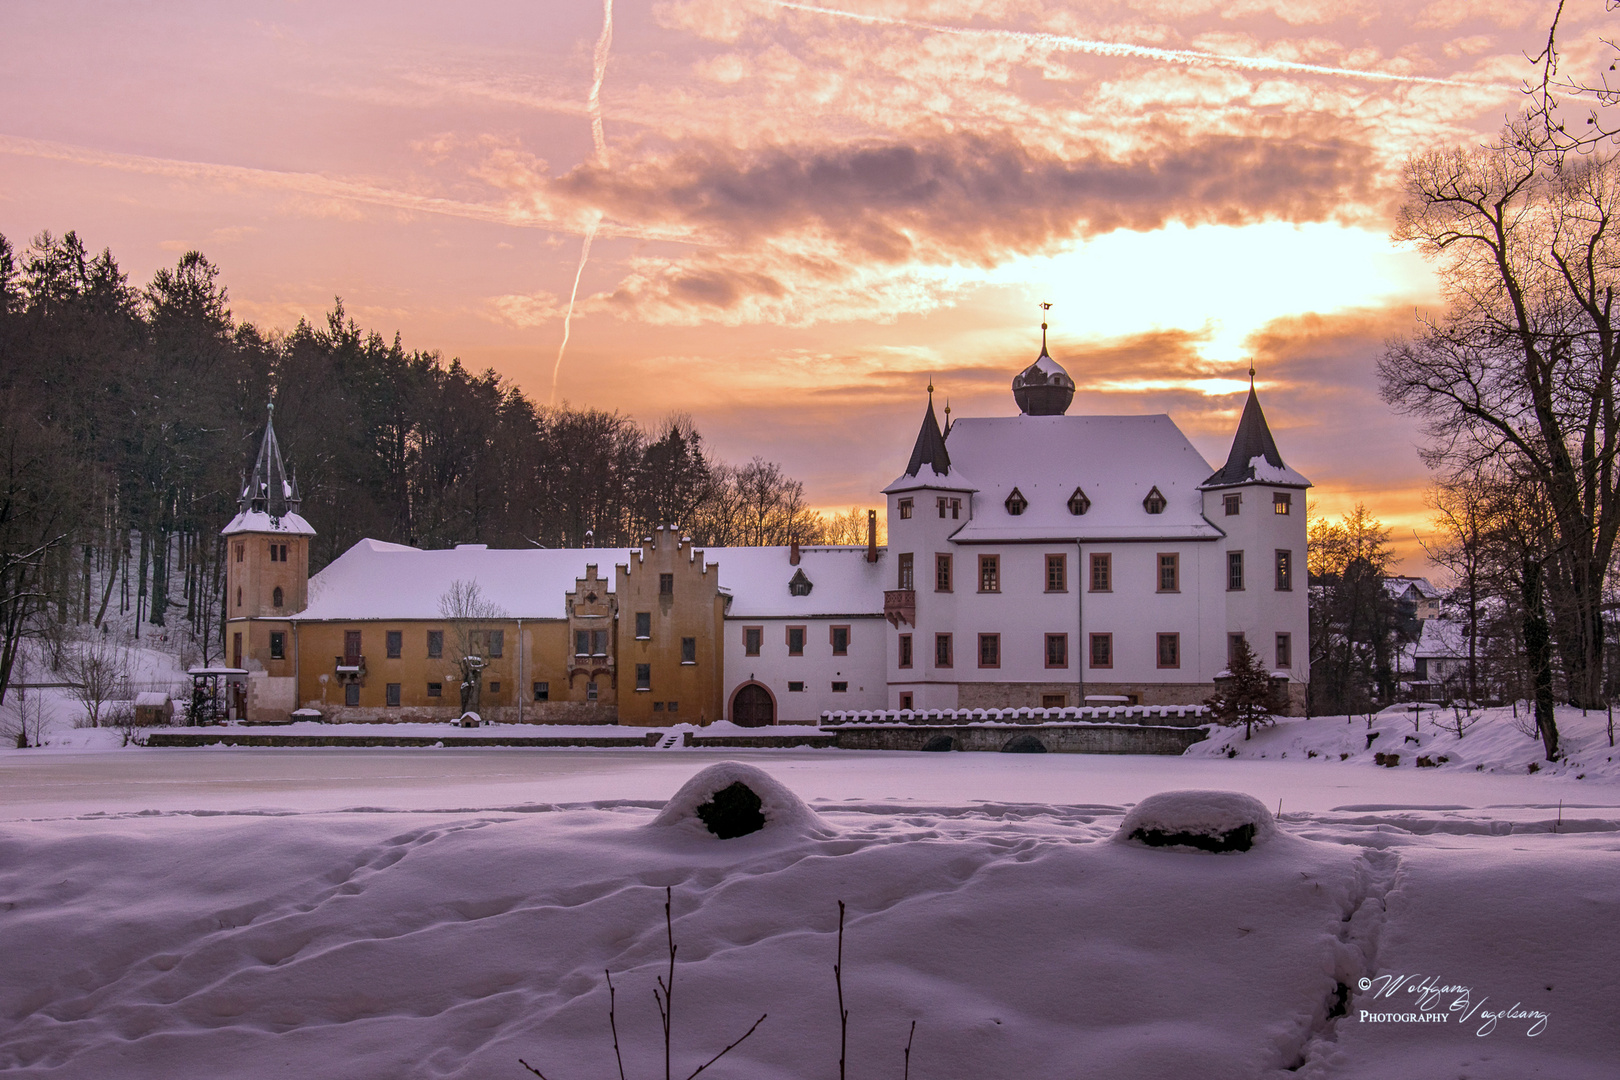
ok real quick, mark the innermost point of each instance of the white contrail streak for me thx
(317, 185)
(1063, 43)
(599, 141)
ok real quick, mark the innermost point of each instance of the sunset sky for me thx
(799, 213)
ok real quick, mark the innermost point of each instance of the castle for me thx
(1033, 560)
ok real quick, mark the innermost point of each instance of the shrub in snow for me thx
(1024, 744)
(732, 799)
(1206, 820)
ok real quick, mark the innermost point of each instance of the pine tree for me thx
(1245, 696)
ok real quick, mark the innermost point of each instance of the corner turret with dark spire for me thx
(930, 447)
(1254, 458)
(1043, 388)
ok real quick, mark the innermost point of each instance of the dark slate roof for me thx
(930, 448)
(269, 490)
(1253, 440)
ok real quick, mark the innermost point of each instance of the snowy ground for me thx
(441, 913)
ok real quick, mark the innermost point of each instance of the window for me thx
(1054, 701)
(435, 689)
(800, 584)
(905, 509)
(1169, 572)
(752, 637)
(599, 642)
(795, 687)
(1102, 572)
(582, 643)
(840, 687)
(283, 552)
(943, 504)
(435, 644)
(1016, 503)
(1285, 571)
(942, 650)
(275, 552)
(239, 596)
(1102, 650)
(241, 549)
(495, 687)
(840, 640)
(395, 644)
(643, 625)
(1169, 650)
(351, 647)
(1285, 651)
(1234, 571)
(989, 650)
(795, 640)
(688, 650)
(942, 573)
(497, 643)
(1057, 650)
(1282, 503)
(1233, 504)
(989, 573)
(1078, 503)
(666, 584)
(956, 508)
(643, 677)
(658, 706)
(905, 701)
(674, 706)
(276, 596)
(351, 694)
(278, 645)
(542, 691)
(1057, 573)
(393, 695)
(905, 650)
(1233, 641)
(1154, 503)
(907, 579)
(590, 690)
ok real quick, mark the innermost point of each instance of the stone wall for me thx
(1057, 738)
(539, 712)
(1014, 695)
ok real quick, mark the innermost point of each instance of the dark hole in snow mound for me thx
(730, 799)
(1215, 821)
(1024, 744)
(732, 811)
(940, 742)
(1238, 839)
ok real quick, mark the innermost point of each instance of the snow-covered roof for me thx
(1115, 460)
(258, 521)
(1442, 639)
(379, 580)
(842, 581)
(1397, 587)
(927, 477)
(1254, 458)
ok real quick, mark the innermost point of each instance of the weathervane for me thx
(1045, 307)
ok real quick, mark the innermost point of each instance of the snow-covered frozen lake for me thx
(443, 912)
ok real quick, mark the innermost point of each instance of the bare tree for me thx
(1459, 517)
(472, 643)
(25, 719)
(98, 668)
(1557, 94)
(1519, 373)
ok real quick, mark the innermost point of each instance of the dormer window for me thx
(1016, 503)
(1078, 503)
(1154, 503)
(799, 584)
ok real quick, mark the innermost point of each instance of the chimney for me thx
(793, 553)
(871, 536)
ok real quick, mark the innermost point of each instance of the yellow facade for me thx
(671, 617)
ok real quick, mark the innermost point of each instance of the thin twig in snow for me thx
(838, 978)
(728, 1049)
(913, 1035)
(612, 1023)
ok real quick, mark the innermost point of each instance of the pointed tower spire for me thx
(930, 447)
(1252, 443)
(268, 491)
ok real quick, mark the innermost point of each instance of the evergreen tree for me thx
(1245, 694)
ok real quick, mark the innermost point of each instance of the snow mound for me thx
(731, 799)
(1206, 820)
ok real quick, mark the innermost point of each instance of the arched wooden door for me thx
(752, 707)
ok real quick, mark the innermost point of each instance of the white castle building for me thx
(1032, 560)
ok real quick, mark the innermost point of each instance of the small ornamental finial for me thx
(930, 387)
(1251, 374)
(1045, 307)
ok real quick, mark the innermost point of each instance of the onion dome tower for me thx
(1043, 388)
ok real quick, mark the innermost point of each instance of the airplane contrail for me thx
(323, 186)
(599, 140)
(1064, 43)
